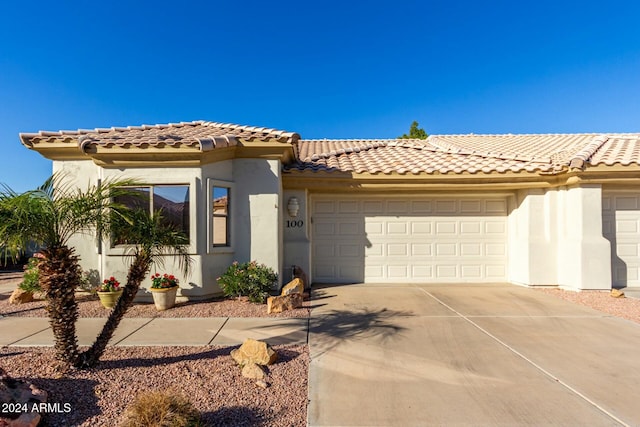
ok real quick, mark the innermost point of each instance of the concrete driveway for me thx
(405, 355)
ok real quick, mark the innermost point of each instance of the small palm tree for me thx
(50, 216)
(151, 239)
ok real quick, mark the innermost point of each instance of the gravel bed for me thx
(207, 376)
(627, 308)
(89, 306)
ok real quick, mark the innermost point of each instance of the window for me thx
(172, 201)
(220, 213)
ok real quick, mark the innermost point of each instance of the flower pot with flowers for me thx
(109, 292)
(164, 289)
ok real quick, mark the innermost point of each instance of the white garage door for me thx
(621, 226)
(403, 240)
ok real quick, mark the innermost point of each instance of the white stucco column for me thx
(532, 243)
(257, 200)
(584, 255)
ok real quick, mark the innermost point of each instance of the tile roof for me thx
(542, 153)
(206, 135)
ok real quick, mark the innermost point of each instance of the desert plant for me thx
(150, 239)
(248, 279)
(31, 279)
(49, 216)
(161, 409)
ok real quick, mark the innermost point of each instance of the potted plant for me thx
(109, 291)
(164, 289)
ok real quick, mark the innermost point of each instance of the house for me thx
(550, 209)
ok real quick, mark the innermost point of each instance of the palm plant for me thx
(150, 239)
(50, 216)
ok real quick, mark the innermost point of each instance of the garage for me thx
(621, 226)
(409, 239)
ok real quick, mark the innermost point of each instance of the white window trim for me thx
(230, 222)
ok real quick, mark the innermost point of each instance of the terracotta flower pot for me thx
(164, 298)
(109, 299)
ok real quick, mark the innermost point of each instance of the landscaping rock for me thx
(253, 371)
(615, 293)
(284, 302)
(20, 296)
(21, 393)
(253, 351)
(262, 384)
(294, 286)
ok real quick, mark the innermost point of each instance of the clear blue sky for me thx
(331, 69)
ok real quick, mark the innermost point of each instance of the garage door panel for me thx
(410, 240)
(496, 207)
(421, 207)
(621, 226)
(397, 249)
(398, 207)
(373, 207)
(421, 227)
(348, 207)
(470, 206)
(420, 249)
(446, 227)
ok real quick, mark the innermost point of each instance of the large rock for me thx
(284, 302)
(253, 371)
(20, 296)
(253, 351)
(21, 393)
(615, 293)
(294, 286)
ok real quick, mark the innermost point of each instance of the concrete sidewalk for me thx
(223, 331)
(405, 355)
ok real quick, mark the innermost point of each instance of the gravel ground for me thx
(89, 306)
(627, 308)
(207, 376)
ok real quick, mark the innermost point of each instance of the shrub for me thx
(30, 280)
(249, 279)
(161, 409)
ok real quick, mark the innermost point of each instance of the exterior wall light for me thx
(293, 207)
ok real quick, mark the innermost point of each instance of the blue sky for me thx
(332, 69)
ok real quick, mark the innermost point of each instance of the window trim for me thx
(211, 248)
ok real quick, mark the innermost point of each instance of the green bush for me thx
(249, 279)
(30, 280)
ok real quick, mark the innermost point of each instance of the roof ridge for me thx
(580, 158)
(347, 150)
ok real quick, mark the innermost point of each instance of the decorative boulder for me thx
(20, 392)
(253, 351)
(284, 302)
(20, 296)
(253, 371)
(615, 293)
(294, 286)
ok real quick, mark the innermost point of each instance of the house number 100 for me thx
(295, 223)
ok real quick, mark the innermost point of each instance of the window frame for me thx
(123, 249)
(213, 248)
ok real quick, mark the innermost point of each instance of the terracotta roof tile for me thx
(618, 149)
(543, 153)
(206, 135)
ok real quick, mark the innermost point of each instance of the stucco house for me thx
(560, 210)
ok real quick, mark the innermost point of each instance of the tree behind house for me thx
(415, 132)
